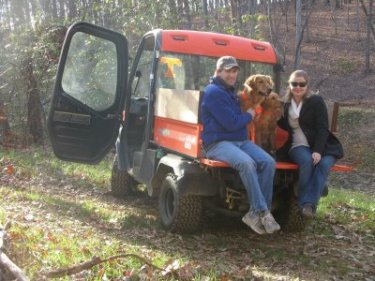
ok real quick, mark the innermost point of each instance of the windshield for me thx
(191, 72)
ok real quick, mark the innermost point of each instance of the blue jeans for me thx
(255, 166)
(312, 179)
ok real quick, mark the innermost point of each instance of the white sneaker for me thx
(253, 221)
(269, 223)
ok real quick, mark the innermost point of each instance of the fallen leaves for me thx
(52, 212)
(10, 170)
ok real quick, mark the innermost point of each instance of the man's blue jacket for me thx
(221, 114)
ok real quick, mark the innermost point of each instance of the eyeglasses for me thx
(301, 84)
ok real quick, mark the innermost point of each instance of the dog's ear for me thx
(247, 84)
(269, 80)
(253, 81)
(247, 87)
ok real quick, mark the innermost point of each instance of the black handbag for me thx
(333, 147)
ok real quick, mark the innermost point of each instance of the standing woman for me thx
(310, 144)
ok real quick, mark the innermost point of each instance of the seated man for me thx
(225, 139)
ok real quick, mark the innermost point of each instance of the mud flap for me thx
(191, 178)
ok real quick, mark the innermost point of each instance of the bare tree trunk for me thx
(300, 28)
(47, 9)
(72, 10)
(17, 13)
(95, 12)
(269, 15)
(333, 16)
(358, 24)
(205, 13)
(27, 14)
(180, 11)
(284, 6)
(369, 25)
(34, 110)
(7, 11)
(218, 5)
(173, 13)
(4, 124)
(54, 9)
(34, 10)
(239, 16)
(189, 24)
(297, 59)
(348, 14)
(252, 11)
(307, 10)
(236, 16)
(61, 9)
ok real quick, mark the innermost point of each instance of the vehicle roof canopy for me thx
(217, 45)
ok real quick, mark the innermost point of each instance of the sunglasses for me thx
(301, 84)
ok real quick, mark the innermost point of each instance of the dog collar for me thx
(259, 110)
(243, 95)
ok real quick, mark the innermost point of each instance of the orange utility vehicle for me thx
(153, 112)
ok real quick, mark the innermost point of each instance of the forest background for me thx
(62, 213)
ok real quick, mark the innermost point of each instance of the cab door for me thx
(89, 93)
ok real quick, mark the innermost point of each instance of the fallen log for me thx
(7, 264)
(12, 268)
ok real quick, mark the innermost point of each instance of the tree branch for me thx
(89, 264)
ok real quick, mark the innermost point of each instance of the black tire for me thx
(289, 216)
(122, 184)
(180, 214)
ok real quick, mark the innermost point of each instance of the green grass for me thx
(61, 249)
(42, 160)
(345, 66)
(2, 217)
(72, 219)
(81, 209)
(44, 244)
(38, 244)
(136, 220)
(351, 208)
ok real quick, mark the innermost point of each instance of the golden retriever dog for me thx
(258, 95)
(265, 124)
(256, 89)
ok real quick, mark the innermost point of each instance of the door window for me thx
(90, 73)
(141, 83)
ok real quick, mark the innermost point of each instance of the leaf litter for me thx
(223, 248)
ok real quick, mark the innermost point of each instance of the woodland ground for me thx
(334, 57)
(61, 215)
